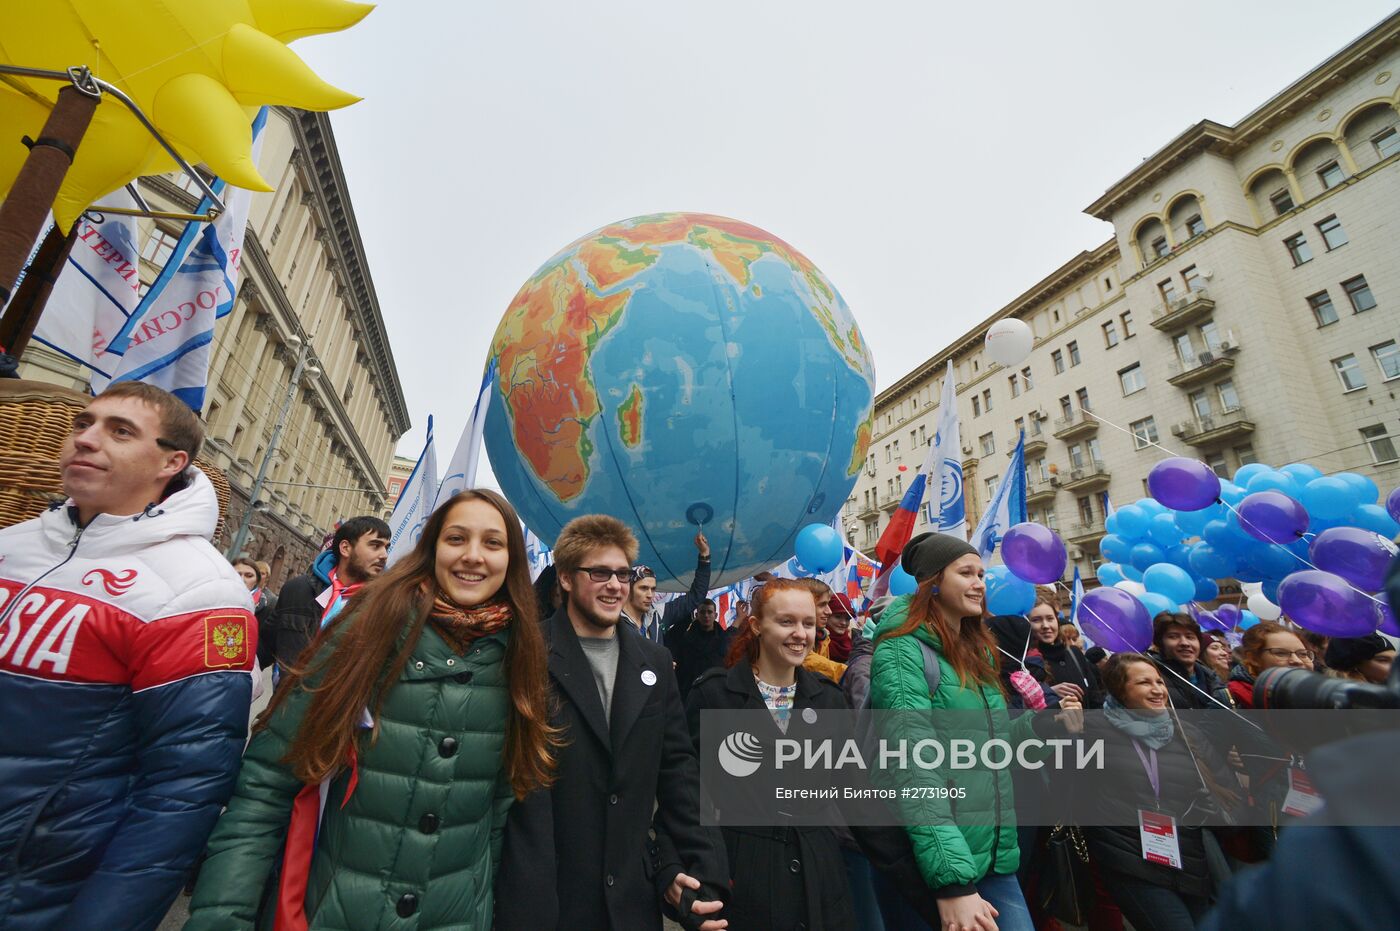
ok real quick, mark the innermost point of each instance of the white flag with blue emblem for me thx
(415, 504)
(946, 509)
(461, 469)
(537, 553)
(166, 342)
(1007, 507)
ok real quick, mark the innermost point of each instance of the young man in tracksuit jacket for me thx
(127, 648)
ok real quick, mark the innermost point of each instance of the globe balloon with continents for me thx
(677, 371)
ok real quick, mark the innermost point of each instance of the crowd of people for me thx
(449, 744)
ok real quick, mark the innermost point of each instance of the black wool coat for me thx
(580, 854)
(790, 878)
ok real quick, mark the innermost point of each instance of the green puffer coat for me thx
(956, 842)
(418, 843)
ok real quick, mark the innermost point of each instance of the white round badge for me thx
(809, 715)
(648, 677)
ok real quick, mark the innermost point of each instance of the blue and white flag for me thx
(461, 469)
(946, 510)
(98, 289)
(1076, 597)
(167, 340)
(415, 504)
(1007, 507)
(1108, 507)
(539, 555)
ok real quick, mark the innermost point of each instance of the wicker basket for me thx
(35, 419)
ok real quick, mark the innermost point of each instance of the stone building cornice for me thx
(1209, 135)
(314, 138)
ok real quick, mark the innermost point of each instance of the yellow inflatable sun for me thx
(198, 68)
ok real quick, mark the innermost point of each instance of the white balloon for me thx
(1250, 588)
(1262, 606)
(1009, 341)
(1131, 587)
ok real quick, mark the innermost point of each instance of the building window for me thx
(1210, 335)
(923, 437)
(1349, 371)
(1281, 200)
(1387, 357)
(1323, 311)
(991, 485)
(1038, 467)
(1387, 143)
(1126, 318)
(1015, 386)
(1381, 443)
(1245, 454)
(1108, 284)
(1200, 404)
(913, 439)
(896, 449)
(1144, 432)
(1332, 233)
(1086, 510)
(1035, 425)
(1026, 378)
(1217, 464)
(1020, 425)
(1056, 315)
(987, 443)
(1110, 334)
(1359, 293)
(987, 400)
(1229, 400)
(1074, 350)
(1159, 247)
(1132, 379)
(1193, 279)
(1057, 359)
(976, 366)
(1066, 409)
(1195, 226)
(1331, 175)
(1083, 395)
(889, 456)
(1298, 249)
(159, 246)
(976, 406)
(1167, 289)
(1076, 456)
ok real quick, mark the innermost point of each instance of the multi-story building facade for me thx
(304, 287)
(1247, 308)
(400, 471)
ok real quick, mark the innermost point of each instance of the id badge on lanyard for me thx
(1302, 799)
(1156, 829)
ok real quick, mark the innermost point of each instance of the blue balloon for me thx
(1207, 590)
(1275, 561)
(1007, 594)
(1193, 522)
(1130, 572)
(1169, 581)
(1217, 534)
(1232, 494)
(1247, 571)
(1274, 481)
(1247, 620)
(819, 547)
(902, 583)
(1374, 518)
(1156, 604)
(1147, 554)
(1270, 589)
(1115, 548)
(1366, 489)
(1180, 555)
(1151, 506)
(1110, 574)
(1331, 498)
(1302, 472)
(1110, 523)
(1133, 521)
(1211, 563)
(1163, 530)
(1246, 472)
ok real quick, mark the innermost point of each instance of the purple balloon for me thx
(1388, 624)
(1209, 621)
(1358, 556)
(1229, 615)
(1392, 505)
(1183, 484)
(1115, 620)
(1034, 552)
(1325, 603)
(1273, 517)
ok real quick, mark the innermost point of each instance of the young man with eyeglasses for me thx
(579, 854)
(655, 622)
(126, 646)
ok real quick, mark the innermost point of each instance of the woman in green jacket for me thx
(381, 774)
(964, 837)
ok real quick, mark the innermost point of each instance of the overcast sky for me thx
(933, 159)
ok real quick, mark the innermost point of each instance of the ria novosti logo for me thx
(740, 754)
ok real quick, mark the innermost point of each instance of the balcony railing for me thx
(1212, 363)
(1035, 445)
(1183, 311)
(1086, 531)
(1078, 423)
(1216, 428)
(1090, 475)
(1041, 490)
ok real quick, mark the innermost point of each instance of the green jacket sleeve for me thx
(897, 683)
(252, 830)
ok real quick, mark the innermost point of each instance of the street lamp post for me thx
(303, 352)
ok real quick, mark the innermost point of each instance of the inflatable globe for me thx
(679, 372)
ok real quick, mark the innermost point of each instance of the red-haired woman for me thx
(965, 842)
(421, 715)
(785, 878)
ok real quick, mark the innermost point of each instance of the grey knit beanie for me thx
(930, 553)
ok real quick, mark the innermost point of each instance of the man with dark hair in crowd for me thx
(700, 646)
(358, 552)
(124, 673)
(655, 622)
(1176, 639)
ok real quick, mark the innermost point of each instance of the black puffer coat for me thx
(1069, 664)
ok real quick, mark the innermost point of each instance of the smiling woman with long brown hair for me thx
(408, 728)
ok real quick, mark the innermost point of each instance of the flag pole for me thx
(20, 320)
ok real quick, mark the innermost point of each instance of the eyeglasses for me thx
(602, 573)
(1278, 653)
(642, 572)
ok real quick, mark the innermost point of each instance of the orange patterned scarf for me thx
(461, 627)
